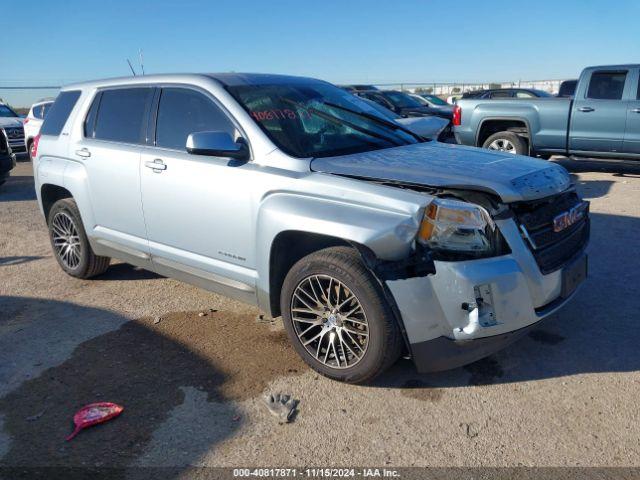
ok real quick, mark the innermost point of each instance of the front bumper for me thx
(448, 327)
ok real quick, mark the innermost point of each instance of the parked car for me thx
(399, 102)
(7, 159)
(567, 88)
(429, 127)
(507, 93)
(435, 103)
(11, 124)
(358, 88)
(602, 120)
(33, 122)
(285, 193)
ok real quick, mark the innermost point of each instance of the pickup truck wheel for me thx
(70, 244)
(507, 142)
(337, 319)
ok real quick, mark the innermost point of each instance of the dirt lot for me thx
(191, 384)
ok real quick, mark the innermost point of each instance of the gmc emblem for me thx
(566, 219)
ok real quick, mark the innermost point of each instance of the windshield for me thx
(317, 119)
(385, 112)
(435, 100)
(6, 112)
(542, 93)
(402, 100)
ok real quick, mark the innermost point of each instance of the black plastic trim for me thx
(443, 353)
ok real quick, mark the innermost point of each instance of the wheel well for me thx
(490, 127)
(50, 194)
(287, 248)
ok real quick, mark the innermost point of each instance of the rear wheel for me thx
(336, 317)
(70, 244)
(29, 147)
(507, 142)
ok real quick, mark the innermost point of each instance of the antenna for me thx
(141, 60)
(131, 67)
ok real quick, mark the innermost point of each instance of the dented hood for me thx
(512, 177)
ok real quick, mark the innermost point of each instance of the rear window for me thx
(121, 115)
(607, 85)
(59, 112)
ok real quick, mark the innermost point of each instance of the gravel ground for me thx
(190, 367)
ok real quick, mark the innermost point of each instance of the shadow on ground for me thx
(177, 377)
(124, 271)
(18, 189)
(619, 168)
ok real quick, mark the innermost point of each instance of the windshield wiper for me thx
(381, 121)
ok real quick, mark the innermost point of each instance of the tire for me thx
(69, 241)
(507, 142)
(29, 144)
(340, 271)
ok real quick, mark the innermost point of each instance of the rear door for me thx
(631, 142)
(599, 112)
(114, 131)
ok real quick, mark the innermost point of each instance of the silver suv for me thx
(293, 195)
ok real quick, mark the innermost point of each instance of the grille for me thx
(14, 133)
(552, 249)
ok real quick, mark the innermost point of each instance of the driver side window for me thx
(183, 111)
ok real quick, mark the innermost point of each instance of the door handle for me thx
(635, 110)
(157, 165)
(83, 152)
(586, 109)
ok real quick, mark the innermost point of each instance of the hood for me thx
(512, 177)
(429, 127)
(10, 122)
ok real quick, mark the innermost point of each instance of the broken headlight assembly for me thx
(457, 230)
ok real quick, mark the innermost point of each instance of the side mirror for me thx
(217, 144)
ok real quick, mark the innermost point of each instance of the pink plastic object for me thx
(93, 414)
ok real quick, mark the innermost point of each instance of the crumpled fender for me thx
(387, 233)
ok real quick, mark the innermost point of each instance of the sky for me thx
(348, 41)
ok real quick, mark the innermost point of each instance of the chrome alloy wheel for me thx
(502, 145)
(66, 240)
(329, 321)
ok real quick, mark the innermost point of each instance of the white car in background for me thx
(33, 122)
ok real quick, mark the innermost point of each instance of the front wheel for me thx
(507, 142)
(337, 318)
(70, 244)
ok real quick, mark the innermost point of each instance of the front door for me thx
(198, 209)
(599, 116)
(110, 150)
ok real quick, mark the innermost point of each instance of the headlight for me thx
(456, 226)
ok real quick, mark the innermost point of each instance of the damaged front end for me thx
(471, 286)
